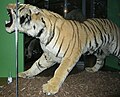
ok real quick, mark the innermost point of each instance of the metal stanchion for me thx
(16, 47)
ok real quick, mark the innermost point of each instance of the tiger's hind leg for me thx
(40, 65)
(99, 64)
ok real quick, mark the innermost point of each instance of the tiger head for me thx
(30, 20)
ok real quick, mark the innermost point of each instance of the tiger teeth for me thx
(7, 22)
(7, 12)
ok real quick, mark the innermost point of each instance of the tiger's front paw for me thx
(24, 75)
(50, 88)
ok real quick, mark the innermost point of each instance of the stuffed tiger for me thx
(63, 41)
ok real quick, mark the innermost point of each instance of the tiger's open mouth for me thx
(9, 23)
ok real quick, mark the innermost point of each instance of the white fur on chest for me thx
(51, 52)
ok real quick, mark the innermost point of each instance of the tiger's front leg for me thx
(40, 65)
(53, 85)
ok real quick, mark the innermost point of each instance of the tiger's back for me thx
(90, 36)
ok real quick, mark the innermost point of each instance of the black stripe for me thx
(40, 32)
(99, 21)
(91, 30)
(22, 20)
(43, 20)
(53, 14)
(119, 54)
(39, 66)
(50, 30)
(76, 24)
(113, 26)
(53, 34)
(28, 17)
(101, 34)
(109, 24)
(57, 39)
(115, 52)
(93, 27)
(85, 30)
(73, 30)
(74, 37)
(117, 38)
(107, 34)
(73, 45)
(113, 29)
(34, 27)
(14, 11)
(101, 24)
(90, 43)
(23, 7)
(72, 27)
(84, 26)
(58, 36)
(94, 34)
(70, 40)
(87, 26)
(67, 48)
(60, 47)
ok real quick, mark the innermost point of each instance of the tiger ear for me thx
(34, 9)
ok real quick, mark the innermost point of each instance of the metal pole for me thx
(16, 47)
(46, 4)
(84, 8)
(92, 8)
(65, 8)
